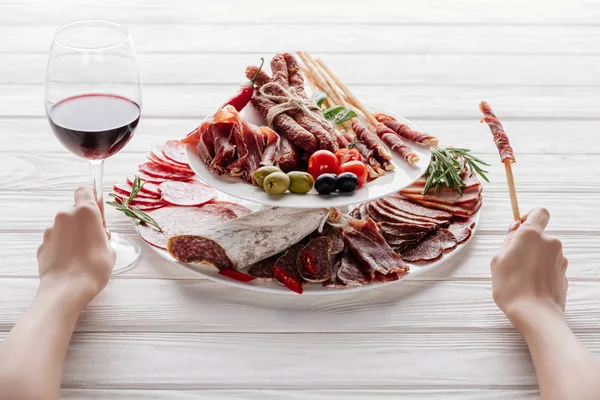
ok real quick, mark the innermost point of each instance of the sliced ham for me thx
(461, 230)
(399, 229)
(383, 215)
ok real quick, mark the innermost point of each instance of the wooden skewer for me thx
(512, 191)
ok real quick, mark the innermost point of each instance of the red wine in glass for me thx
(94, 126)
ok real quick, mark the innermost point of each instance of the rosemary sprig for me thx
(447, 166)
(130, 211)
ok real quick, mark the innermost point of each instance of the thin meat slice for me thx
(450, 198)
(186, 193)
(469, 179)
(249, 146)
(500, 137)
(409, 207)
(314, 260)
(175, 151)
(366, 243)
(238, 209)
(461, 230)
(333, 281)
(383, 215)
(158, 171)
(142, 201)
(399, 229)
(124, 189)
(198, 249)
(169, 165)
(181, 221)
(432, 247)
(369, 157)
(386, 205)
(456, 210)
(359, 212)
(350, 272)
(374, 143)
(263, 269)
(271, 146)
(288, 262)
(147, 187)
(334, 234)
(153, 179)
(158, 153)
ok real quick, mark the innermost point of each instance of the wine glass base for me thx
(128, 253)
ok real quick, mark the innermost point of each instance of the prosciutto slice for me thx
(368, 245)
(374, 143)
(394, 142)
(405, 131)
(500, 137)
(248, 239)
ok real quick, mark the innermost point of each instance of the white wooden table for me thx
(161, 332)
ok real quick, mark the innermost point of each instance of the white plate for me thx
(393, 181)
(315, 289)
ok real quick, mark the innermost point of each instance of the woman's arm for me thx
(530, 287)
(75, 263)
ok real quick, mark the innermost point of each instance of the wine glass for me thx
(93, 101)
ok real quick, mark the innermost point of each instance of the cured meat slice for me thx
(314, 260)
(461, 230)
(271, 146)
(369, 157)
(238, 209)
(141, 201)
(124, 189)
(334, 234)
(175, 151)
(399, 229)
(432, 247)
(146, 208)
(359, 212)
(170, 166)
(263, 233)
(469, 179)
(394, 142)
(387, 278)
(409, 207)
(158, 153)
(264, 269)
(450, 198)
(186, 193)
(196, 249)
(456, 210)
(384, 204)
(500, 137)
(249, 142)
(158, 171)
(370, 248)
(333, 281)
(148, 187)
(382, 215)
(180, 221)
(407, 236)
(288, 262)
(153, 179)
(350, 272)
(405, 131)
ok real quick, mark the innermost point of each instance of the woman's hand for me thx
(528, 274)
(75, 257)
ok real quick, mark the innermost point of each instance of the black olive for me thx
(346, 182)
(325, 184)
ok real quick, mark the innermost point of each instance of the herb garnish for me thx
(447, 166)
(336, 114)
(123, 205)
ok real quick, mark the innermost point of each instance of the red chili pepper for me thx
(288, 280)
(243, 96)
(307, 261)
(237, 275)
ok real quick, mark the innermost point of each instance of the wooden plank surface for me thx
(161, 331)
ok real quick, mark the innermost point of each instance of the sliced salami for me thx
(158, 171)
(175, 151)
(314, 260)
(335, 235)
(148, 187)
(169, 165)
(151, 179)
(124, 189)
(180, 221)
(159, 154)
(238, 209)
(186, 193)
(461, 230)
(196, 249)
(141, 201)
(264, 269)
(149, 208)
(287, 261)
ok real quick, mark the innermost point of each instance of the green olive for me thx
(260, 174)
(276, 183)
(300, 182)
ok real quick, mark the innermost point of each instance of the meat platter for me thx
(304, 193)
(401, 177)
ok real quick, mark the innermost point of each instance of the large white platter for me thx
(404, 175)
(312, 289)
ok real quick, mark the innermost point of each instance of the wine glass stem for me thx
(97, 167)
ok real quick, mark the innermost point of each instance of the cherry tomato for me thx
(322, 162)
(357, 168)
(345, 155)
(287, 279)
